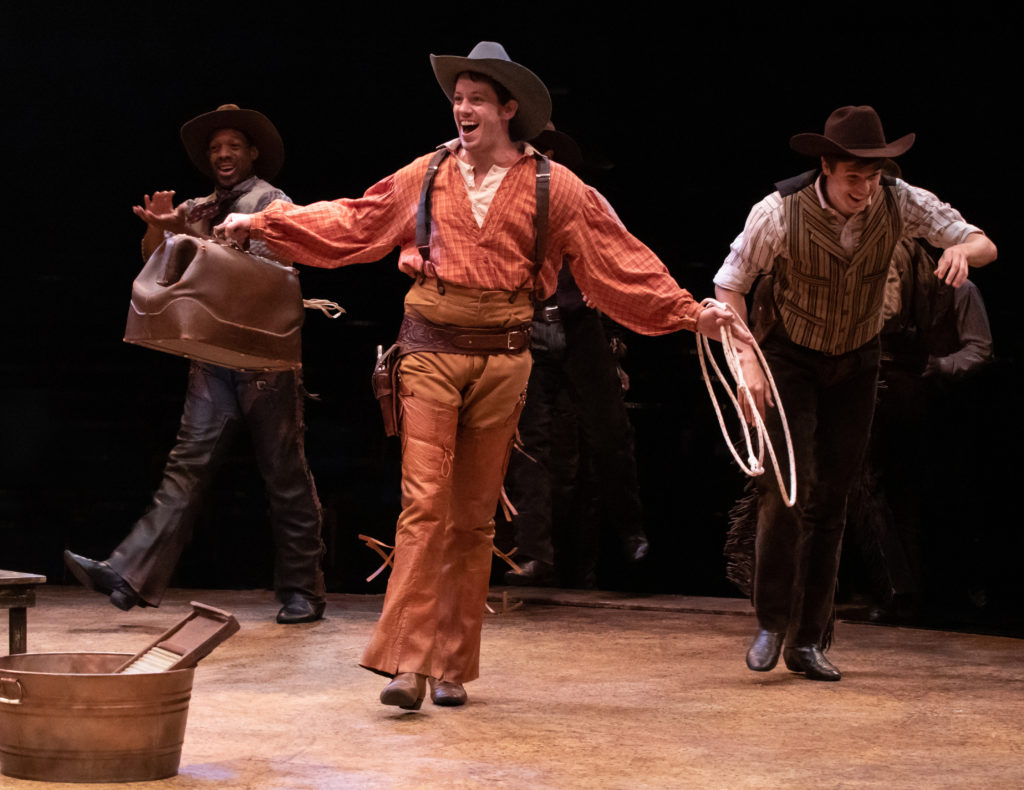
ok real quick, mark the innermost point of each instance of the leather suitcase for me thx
(204, 300)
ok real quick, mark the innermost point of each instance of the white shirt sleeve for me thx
(754, 251)
(925, 216)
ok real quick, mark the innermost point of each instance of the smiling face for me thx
(481, 118)
(851, 185)
(232, 157)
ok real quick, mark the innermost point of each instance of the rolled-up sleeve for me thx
(926, 216)
(753, 252)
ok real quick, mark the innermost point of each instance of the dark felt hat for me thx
(490, 58)
(563, 148)
(851, 131)
(195, 135)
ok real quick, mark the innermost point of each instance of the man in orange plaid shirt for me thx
(463, 373)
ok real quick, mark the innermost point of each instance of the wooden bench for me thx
(17, 593)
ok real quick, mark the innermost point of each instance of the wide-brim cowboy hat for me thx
(490, 58)
(195, 135)
(851, 131)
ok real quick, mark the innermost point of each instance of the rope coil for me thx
(754, 465)
(325, 306)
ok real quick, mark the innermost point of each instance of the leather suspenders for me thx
(540, 220)
(423, 209)
(418, 334)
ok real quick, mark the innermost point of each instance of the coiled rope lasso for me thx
(325, 306)
(754, 465)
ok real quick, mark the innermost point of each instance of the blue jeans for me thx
(218, 403)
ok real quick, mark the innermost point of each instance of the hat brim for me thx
(525, 86)
(195, 135)
(810, 144)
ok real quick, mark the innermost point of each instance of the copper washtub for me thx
(66, 717)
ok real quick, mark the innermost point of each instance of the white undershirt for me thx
(480, 197)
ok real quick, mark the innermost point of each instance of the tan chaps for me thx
(458, 417)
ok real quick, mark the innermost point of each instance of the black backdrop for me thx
(692, 111)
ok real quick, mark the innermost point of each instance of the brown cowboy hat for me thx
(195, 135)
(490, 58)
(851, 131)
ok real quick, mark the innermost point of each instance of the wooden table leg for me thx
(18, 630)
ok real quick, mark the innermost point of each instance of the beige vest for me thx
(829, 300)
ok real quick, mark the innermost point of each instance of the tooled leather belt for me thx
(419, 334)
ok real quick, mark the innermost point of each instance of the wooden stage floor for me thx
(579, 690)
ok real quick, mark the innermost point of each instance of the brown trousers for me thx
(458, 416)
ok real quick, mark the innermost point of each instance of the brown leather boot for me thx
(406, 691)
(447, 694)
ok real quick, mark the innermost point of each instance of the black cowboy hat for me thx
(851, 131)
(490, 58)
(564, 149)
(195, 135)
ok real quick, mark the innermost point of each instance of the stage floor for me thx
(578, 690)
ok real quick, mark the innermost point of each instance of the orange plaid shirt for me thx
(616, 271)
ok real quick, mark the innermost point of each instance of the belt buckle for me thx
(551, 314)
(510, 339)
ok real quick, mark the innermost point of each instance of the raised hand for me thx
(159, 212)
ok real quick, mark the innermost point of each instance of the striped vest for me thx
(828, 300)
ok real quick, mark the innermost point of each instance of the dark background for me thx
(693, 109)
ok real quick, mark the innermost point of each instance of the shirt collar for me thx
(525, 147)
(821, 194)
